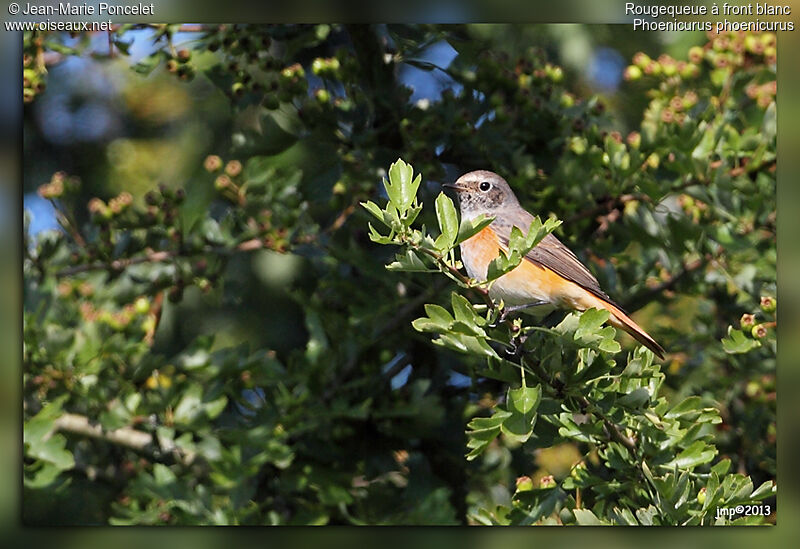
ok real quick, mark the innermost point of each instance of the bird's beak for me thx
(454, 186)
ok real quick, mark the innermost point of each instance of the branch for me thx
(612, 428)
(124, 436)
(610, 204)
(128, 437)
(617, 435)
(606, 206)
(157, 257)
(182, 28)
(643, 298)
(461, 277)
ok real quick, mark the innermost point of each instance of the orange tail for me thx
(621, 320)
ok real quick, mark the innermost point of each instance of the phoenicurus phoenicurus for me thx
(550, 275)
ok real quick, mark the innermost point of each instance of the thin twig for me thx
(157, 257)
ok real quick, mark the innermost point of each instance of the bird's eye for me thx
(485, 186)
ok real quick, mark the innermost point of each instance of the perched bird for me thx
(550, 275)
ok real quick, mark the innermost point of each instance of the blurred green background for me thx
(159, 130)
(121, 132)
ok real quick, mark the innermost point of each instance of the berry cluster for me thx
(763, 94)
(722, 55)
(102, 212)
(760, 330)
(59, 184)
(180, 64)
(33, 67)
(252, 64)
(665, 65)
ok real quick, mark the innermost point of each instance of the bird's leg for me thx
(508, 310)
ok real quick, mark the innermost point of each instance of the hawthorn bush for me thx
(368, 380)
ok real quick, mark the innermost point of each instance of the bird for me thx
(549, 276)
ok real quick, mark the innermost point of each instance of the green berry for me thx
(142, 305)
(222, 182)
(524, 484)
(547, 482)
(759, 331)
(323, 96)
(768, 304)
(633, 73)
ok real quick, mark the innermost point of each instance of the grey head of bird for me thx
(483, 192)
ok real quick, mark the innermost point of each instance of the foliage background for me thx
(161, 132)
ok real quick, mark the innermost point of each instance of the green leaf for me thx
(211, 232)
(590, 322)
(765, 490)
(318, 345)
(696, 454)
(438, 320)
(519, 245)
(471, 227)
(215, 407)
(502, 264)
(408, 261)
(147, 64)
(52, 450)
(190, 405)
(163, 475)
(635, 399)
(609, 345)
(468, 328)
(769, 126)
(737, 342)
(481, 427)
(44, 476)
(585, 517)
(464, 311)
(448, 222)
(691, 404)
(374, 209)
(516, 240)
(466, 344)
(402, 186)
(438, 313)
(524, 400)
(43, 444)
(375, 236)
(647, 515)
(522, 404)
(703, 149)
(722, 467)
(482, 431)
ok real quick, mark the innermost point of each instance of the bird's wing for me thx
(551, 254)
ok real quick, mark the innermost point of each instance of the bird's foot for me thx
(515, 345)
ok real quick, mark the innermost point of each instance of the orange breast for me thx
(479, 251)
(527, 283)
